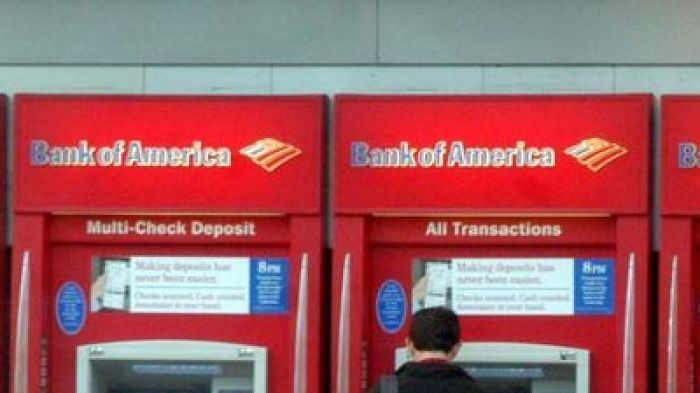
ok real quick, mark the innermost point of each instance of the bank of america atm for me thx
(4, 270)
(679, 281)
(167, 244)
(527, 215)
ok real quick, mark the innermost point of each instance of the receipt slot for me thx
(528, 216)
(171, 366)
(679, 279)
(521, 368)
(168, 244)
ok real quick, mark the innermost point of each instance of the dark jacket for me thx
(433, 377)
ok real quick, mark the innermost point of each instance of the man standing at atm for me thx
(433, 341)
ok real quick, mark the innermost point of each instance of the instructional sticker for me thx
(391, 306)
(191, 285)
(516, 286)
(595, 286)
(269, 280)
(70, 308)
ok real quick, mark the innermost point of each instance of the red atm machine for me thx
(4, 270)
(679, 277)
(167, 244)
(528, 216)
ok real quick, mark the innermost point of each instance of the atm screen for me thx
(128, 376)
(502, 367)
(519, 378)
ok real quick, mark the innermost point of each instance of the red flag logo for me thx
(269, 153)
(595, 153)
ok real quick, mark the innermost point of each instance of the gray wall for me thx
(368, 32)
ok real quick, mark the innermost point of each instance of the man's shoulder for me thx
(427, 378)
(453, 385)
(431, 370)
(415, 377)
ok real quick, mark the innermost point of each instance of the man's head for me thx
(434, 330)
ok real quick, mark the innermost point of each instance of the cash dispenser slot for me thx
(521, 368)
(171, 366)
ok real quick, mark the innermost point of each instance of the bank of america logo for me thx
(595, 153)
(270, 153)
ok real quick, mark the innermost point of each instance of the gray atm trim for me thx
(170, 350)
(501, 352)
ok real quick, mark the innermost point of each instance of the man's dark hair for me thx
(434, 329)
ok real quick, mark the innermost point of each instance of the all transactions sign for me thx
(262, 154)
(469, 152)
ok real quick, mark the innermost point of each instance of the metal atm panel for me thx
(172, 365)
